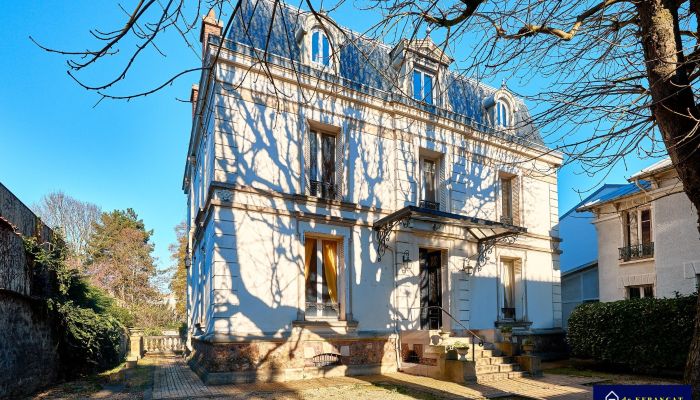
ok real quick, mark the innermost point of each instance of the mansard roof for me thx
(365, 65)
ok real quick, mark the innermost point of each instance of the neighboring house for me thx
(647, 237)
(364, 198)
(579, 258)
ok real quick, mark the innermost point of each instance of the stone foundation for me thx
(293, 358)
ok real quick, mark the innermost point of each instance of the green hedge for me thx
(645, 335)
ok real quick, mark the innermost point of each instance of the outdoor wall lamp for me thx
(467, 267)
(406, 256)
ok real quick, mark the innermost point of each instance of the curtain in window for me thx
(310, 269)
(330, 268)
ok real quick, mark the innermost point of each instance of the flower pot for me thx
(462, 352)
(444, 335)
(527, 348)
(507, 336)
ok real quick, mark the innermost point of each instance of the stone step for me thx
(499, 376)
(494, 360)
(493, 368)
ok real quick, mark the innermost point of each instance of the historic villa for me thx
(349, 201)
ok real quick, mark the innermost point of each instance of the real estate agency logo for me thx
(641, 392)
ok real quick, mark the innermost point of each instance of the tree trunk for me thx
(676, 114)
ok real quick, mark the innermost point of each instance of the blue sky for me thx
(119, 154)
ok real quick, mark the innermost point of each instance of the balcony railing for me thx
(637, 251)
(430, 205)
(325, 190)
(325, 309)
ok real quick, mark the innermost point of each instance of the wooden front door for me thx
(430, 289)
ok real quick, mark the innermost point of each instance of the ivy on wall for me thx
(89, 332)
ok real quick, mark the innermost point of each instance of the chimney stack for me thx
(210, 27)
(194, 95)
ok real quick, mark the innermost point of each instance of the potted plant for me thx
(461, 348)
(506, 332)
(528, 345)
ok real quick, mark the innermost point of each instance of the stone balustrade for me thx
(164, 344)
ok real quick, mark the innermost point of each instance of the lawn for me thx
(588, 369)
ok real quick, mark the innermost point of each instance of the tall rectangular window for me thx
(646, 226)
(507, 200)
(322, 165)
(429, 176)
(321, 277)
(320, 48)
(423, 86)
(508, 280)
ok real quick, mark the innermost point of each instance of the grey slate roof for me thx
(364, 65)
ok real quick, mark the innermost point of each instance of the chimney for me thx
(210, 27)
(194, 95)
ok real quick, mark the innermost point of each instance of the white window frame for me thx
(506, 120)
(641, 291)
(320, 279)
(423, 73)
(318, 60)
(318, 157)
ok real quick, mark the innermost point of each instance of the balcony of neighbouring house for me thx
(637, 251)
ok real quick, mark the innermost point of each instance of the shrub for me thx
(89, 335)
(644, 335)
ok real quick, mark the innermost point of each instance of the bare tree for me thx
(625, 70)
(74, 218)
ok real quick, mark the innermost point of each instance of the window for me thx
(322, 165)
(320, 48)
(638, 292)
(321, 277)
(429, 183)
(509, 200)
(508, 289)
(637, 234)
(422, 86)
(502, 114)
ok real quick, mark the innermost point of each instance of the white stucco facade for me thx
(252, 212)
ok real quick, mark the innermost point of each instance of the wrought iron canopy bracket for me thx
(484, 247)
(383, 232)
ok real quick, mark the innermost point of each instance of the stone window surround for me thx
(342, 277)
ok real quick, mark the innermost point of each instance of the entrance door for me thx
(430, 289)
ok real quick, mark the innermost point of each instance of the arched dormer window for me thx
(500, 109)
(320, 48)
(502, 114)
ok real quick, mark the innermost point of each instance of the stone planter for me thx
(528, 347)
(462, 352)
(444, 335)
(507, 336)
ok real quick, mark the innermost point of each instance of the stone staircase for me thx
(491, 366)
(480, 364)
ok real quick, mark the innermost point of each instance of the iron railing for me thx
(637, 251)
(325, 190)
(430, 205)
(475, 339)
(325, 309)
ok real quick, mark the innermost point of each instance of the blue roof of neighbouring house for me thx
(365, 65)
(580, 268)
(605, 189)
(624, 191)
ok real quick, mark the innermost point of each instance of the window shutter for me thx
(339, 166)
(307, 162)
(443, 185)
(515, 193)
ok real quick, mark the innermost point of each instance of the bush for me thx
(645, 335)
(88, 328)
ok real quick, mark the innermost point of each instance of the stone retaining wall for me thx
(28, 357)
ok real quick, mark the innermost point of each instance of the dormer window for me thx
(320, 48)
(423, 86)
(502, 114)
